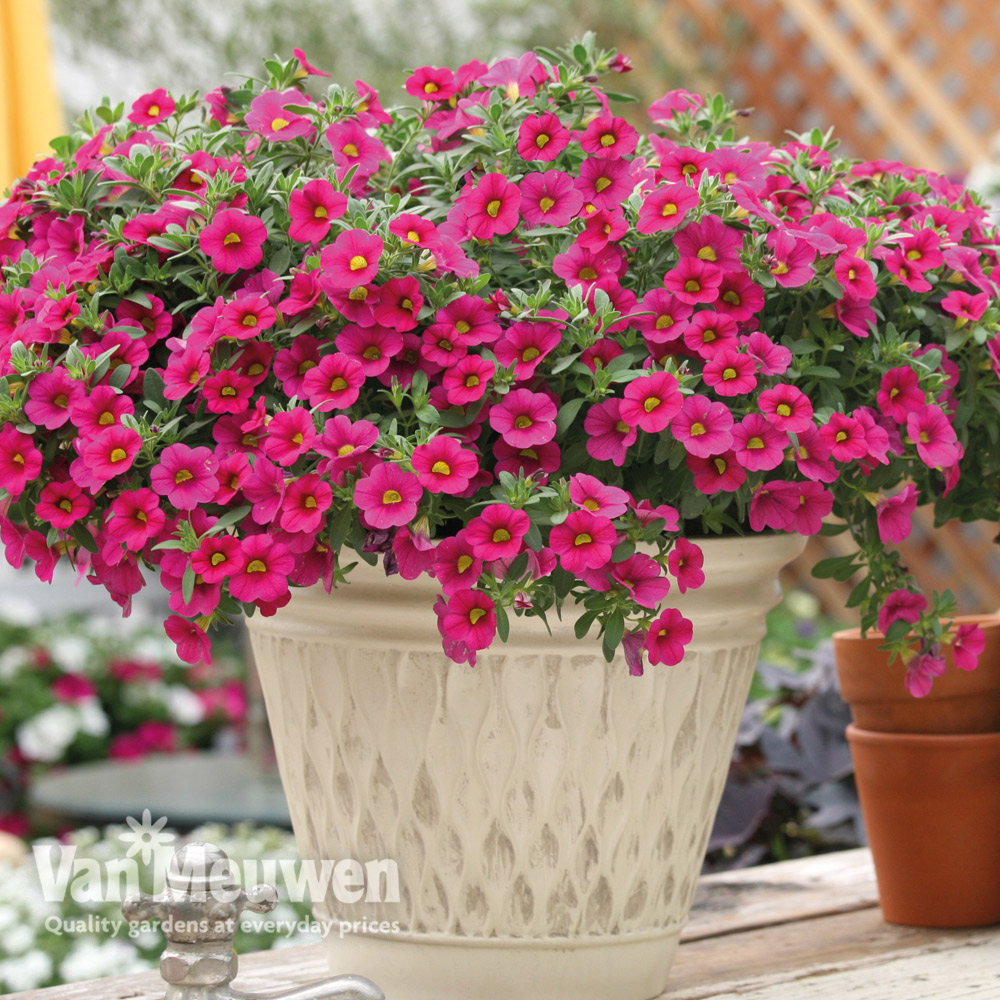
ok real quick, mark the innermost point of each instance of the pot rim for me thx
(986, 620)
(940, 741)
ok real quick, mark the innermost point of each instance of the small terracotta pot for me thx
(932, 812)
(961, 701)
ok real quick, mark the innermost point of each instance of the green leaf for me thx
(84, 537)
(583, 623)
(152, 388)
(503, 623)
(120, 376)
(187, 583)
(837, 567)
(567, 414)
(859, 593)
(231, 517)
(614, 631)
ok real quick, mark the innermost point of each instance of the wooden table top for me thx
(798, 930)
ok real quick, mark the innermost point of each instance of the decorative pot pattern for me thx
(543, 804)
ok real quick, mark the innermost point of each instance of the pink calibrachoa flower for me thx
(73, 689)
(62, 504)
(152, 108)
(492, 207)
(233, 240)
(456, 566)
(694, 281)
(921, 671)
(894, 515)
(335, 383)
(50, 397)
(524, 418)
(583, 541)
(135, 517)
(787, 407)
(399, 304)
(667, 637)
(264, 489)
(193, 645)
(264, 576)
(185, 476)
(666, 207)
(793, 259)
(106, 454)
(844, 438)
(102, 408)
(934, 437)
(609, 137)
(270, 114)
(497, 533)
(965, 307)
(353, 147)
(968, 644)
(388, 496)
(900, 394)
(641, 577)
(305, 503)
(442, 465)
(773, 505)
(470, 618)
(672, 102)
(542, 137)
(289, 435)
(371, 347)
(730, 372)
(593, 495)
(901, 605)
(685, 564)
(757, 444)
(716, 473)
(609, 435)
(217, 557)
(709, 331)
(667, 321)
(227, 392)
(813, 504)
(20, 460)
(651, 402)
(313, 207)
(432, 83)
(703, 426)
(351, 260)
(549, 198)
(468, 380)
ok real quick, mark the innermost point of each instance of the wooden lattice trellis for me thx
(915, 80)
(959, 557)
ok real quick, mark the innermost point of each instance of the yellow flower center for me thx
(522, 421)
(530, 353)
(663, 322)
(430, 87)
(493, 208)
(501, 535)
(154, 110)
(591, 504)
(106, 418)
(607, 140)
(218, 557)
(345, 449)
(601, 183)
(464, 562)
(707, 253)
(66, 504)
(475, 614)
(350, 149)
(413, 236)
(841, 436)
(669, 209)
(471, 381)
(732, 298)
(310, 502)
(391, 496)
(231, 238)
(697, 429)
(546, 203)
(651, 403)
(720, 465)
(542, 140)
(783, 410)
(692, 285)
(277, 124)
(183, 476)
(755, 443)
(462, 327)
(582, 539)
(358, 263)
(371, 353)
(319, 212)
(257, 566)
(118, 455)
(227, 390)
(780, 268)
(338, 384)
(728, 374)
(588, 274)
(441, 469)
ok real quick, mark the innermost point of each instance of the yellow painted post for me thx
(30, 113)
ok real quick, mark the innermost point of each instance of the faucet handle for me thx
(261, 898)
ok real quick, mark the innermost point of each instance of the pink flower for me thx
(524, 418)
(672, 102)
(270, 114)
(549, 198)
(583, 541)
(492, 207)
(894, 515)
(604, 183)
(264, 576)
(934, 437)
(593, 495)
(900, 394)
(134, 518)
(921, 671)
(351, 260)
(793, 259)
(233, 240)
(694, 281)
(62, 503)
(289, 435)
(497, 532)
(965, 306)
(335, 383)
(968, 644)
(103, 407)
(20, 460)
(665, 207)
(757, 444)
(526, 345)
(542, 137)
(667, 637)
(773, 505)
(468, 380)
(609, 137)
(716, 472)
(72, 689)
(227, 392)
(844, 437)
(685, 564)
(264, 489)
(431, 83)
(218, 556)
(399, 303)
(152, 108)
(704, 427)
(711, 241)
(651, 402)
(730, 373)
(470, 618)
(346, 445)
(107, 454)
(50, 396)
(641, 577)
(456, 565)
(814, 503)
(353, 147)
(855, 274)
(901, 605)
(787, 408)
(193, 645)
(388, 495)
(609, 435)
(442, 465)
(305, 503)
(667, 319)
(185, 476)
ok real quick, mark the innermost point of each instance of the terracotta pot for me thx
(961, 701)
(932, 811)
(548, 813)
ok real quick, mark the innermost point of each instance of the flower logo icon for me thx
(145, 838)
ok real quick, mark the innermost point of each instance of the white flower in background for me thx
(46, 736)
(155, 649)
(93, 721)
(17, 940)
(26, 972)
(71, 652)
(93, 959)
(184, 705)
(19, 611)
(13, 659)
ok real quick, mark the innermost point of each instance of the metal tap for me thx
(199, 910)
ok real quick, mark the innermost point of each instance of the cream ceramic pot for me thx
(548, 813)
